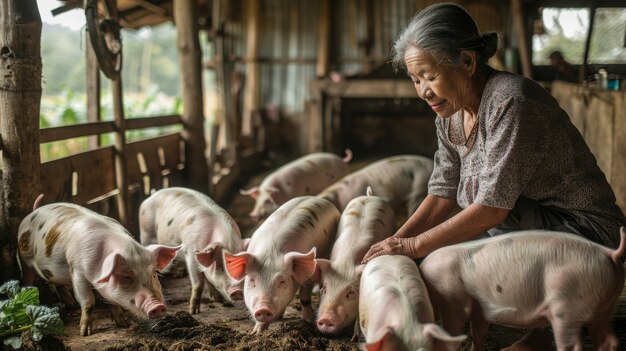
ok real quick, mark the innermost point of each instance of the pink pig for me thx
(402, 181)
(280, 258)
(67, 244)
(394, 310)
(307, 175)
(365, 221)
(528, 279)
(177, 216)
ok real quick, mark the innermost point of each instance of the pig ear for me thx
(302, 265)
(163, 255)
(441, 339)
(108, 266)
(380, 343)
(237, 265)
(253, 192)
(210, 253)
(322, 266)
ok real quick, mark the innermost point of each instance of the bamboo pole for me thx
(20, 98)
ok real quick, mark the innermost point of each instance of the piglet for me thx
(307, 175)
(175, 216)
(365, 221)
(394, 310)
(402, 181)
(280, 258)
(528, 279)
(67, 244)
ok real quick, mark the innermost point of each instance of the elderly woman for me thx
(508, 154)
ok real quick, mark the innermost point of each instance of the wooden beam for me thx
(584, 68)
(323, 40)
(20, 98)
(518, 22)
(251, 91)
(189, 58)
(93, 89)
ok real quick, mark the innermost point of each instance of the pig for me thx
(67, 244)
(365, 221)
(175, 216)
(395, 313)
(402, 181)
(280, 258)
(528, 279)
(307, 175)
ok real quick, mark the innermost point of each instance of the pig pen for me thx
(225, 326)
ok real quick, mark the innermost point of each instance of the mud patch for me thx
(181, 332)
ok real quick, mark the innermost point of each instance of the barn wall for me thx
(362, 32)
(600, 116)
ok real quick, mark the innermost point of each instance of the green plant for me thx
(22, 312)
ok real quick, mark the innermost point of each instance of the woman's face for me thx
(445, 87)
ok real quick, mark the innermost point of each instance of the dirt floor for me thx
(224, 326)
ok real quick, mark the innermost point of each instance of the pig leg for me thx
(357, 330)
(86, 300)
(567, 335)
(259, 327)
(479, 331)
(600, 332)
(214, 293)
(305, 300)
(118, 315)
(28, 274)
(197, 284)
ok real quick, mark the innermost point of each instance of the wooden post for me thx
(121, 176)
(518, 21)
(20, 98)
(251, 93)
(189, 57)
(584, 68)
(93, 90)
(321, 69)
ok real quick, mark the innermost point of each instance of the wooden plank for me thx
(618, 170)
(94, 176)
(93, 90)
(47, 135)
(360, 88)
(151, 122)
(600, 114)
(251, 86)
(160, 159)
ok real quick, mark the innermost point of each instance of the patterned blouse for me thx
(523, 145)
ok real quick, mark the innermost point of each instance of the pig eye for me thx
(282, 283)
(126, 280)
(323, 289)
(351, 295)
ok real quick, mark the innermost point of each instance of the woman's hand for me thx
(390, 246)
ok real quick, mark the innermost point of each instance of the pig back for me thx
(298, 225)
(179, 215)
(307, 175)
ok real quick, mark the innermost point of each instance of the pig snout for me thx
(155, 310)
(327, 324)
(264, 314)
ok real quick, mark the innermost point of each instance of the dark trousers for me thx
(528, 214)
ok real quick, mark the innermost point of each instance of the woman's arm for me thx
(432, 211)
(466, 225)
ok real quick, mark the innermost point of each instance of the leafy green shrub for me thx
(22, 312)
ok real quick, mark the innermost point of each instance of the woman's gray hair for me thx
(444, 30)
